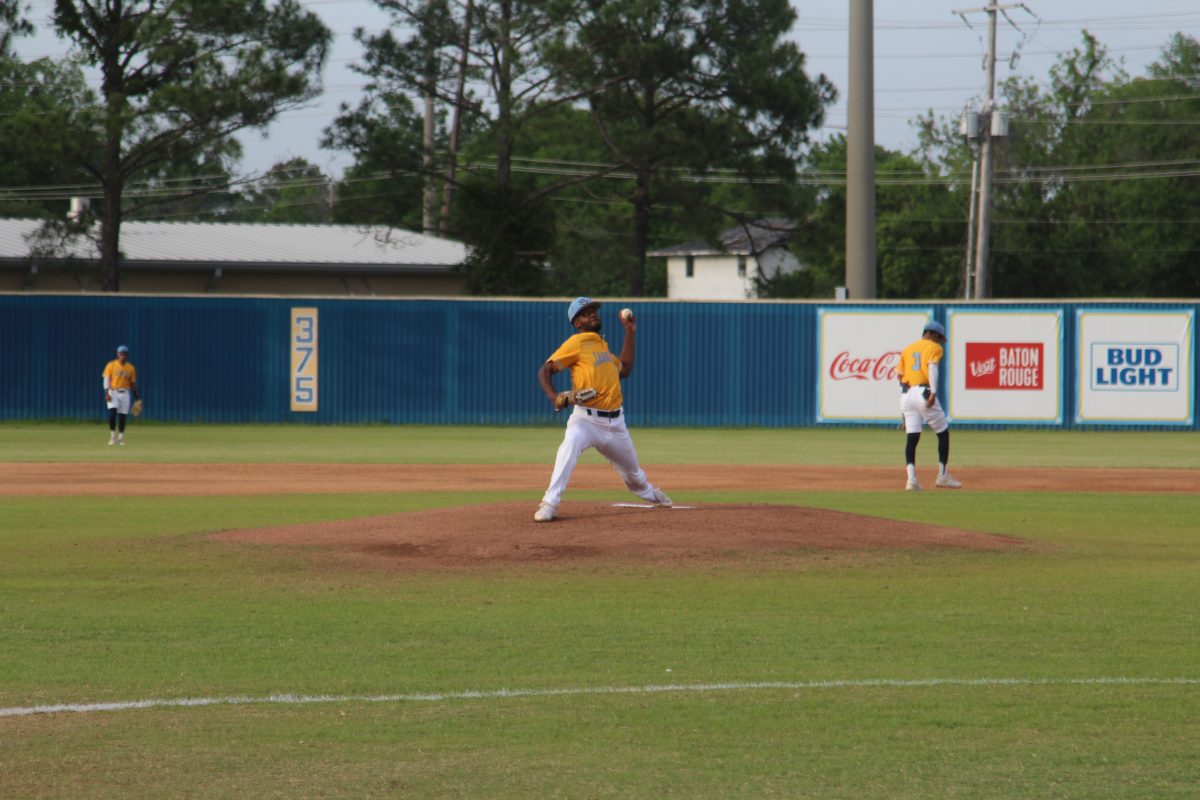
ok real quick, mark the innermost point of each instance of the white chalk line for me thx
(438, 697)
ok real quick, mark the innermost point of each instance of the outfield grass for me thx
(417, 444)
(118, 599)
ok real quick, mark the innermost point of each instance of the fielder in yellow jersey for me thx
(597, 421)
(120, 391)
(920, 369)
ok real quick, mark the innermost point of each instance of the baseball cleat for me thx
(545, 513)
(661, 500)
(947, 481)
(913, 486)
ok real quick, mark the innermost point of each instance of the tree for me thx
(291, 192)
(1090, 197)
(40, 102)
(484, 61)
(680, 88)
(12, 24)
(384, 185)
(180, 77)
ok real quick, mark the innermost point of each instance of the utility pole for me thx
(995, 126)
(860, 154)
(429, 195)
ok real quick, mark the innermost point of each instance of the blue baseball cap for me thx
(935, 327)
(122, 349)
(579, 304)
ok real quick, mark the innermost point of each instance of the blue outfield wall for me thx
(425, 361)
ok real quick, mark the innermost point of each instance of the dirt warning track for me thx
(248, 479)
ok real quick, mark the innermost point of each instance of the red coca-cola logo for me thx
(870, 368)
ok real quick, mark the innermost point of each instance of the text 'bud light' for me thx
(1135, 367)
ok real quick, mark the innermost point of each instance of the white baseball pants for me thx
(912, 406)
(120, 400)
(611, 439)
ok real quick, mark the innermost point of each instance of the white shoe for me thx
(545, 513)
(111, 442)
(661, 500)
(913, 485)
(121, 442)
(947, 481)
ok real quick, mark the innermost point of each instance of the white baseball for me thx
(626, 313)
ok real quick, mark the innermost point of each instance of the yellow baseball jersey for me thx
(120, 376)
(592, 367)
(915, 360)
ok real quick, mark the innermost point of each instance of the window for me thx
(741, 266)
(691, 267)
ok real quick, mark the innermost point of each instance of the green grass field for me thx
(1068, 669)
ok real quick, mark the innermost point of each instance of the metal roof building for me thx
(240, 258)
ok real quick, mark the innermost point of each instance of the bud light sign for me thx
(1139, 367)
(1016, 366)
(1135, 366)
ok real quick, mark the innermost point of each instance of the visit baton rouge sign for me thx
(1018, 366)
(860, 354)
(1005, 366)
(1136, 367)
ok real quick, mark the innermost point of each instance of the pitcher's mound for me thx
(505, 533)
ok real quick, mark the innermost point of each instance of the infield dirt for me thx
(504, 533)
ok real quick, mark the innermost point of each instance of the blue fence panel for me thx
(223, 359)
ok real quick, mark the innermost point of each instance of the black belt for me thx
(904, 387)
(598, 413)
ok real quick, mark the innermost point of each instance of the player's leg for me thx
(617, 447)
(939, 424)
(579, 436)
(112, 424)
(121, 403)
(912, 431)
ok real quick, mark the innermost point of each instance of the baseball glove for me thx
(137, 408)
(570, 398)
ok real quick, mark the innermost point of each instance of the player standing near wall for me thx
(919, 364)
(120, 382)
(597, 419)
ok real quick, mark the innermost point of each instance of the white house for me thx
(701, 271)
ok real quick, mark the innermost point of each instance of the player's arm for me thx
(627, 347)
(545, 373)
(933, 384)
(107, 386)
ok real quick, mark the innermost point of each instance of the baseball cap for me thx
(122, 349)
(936, 327)
(579, 304)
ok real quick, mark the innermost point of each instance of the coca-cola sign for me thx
(846, 367)
(860, 361)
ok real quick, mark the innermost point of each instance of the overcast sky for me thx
(926, 57)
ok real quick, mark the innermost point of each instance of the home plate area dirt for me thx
(505, 534)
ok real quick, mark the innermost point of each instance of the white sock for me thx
(912, 471)
(942, 470)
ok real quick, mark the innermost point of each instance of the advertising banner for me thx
(1005, 366)
(860, 353)
(1135, 367)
